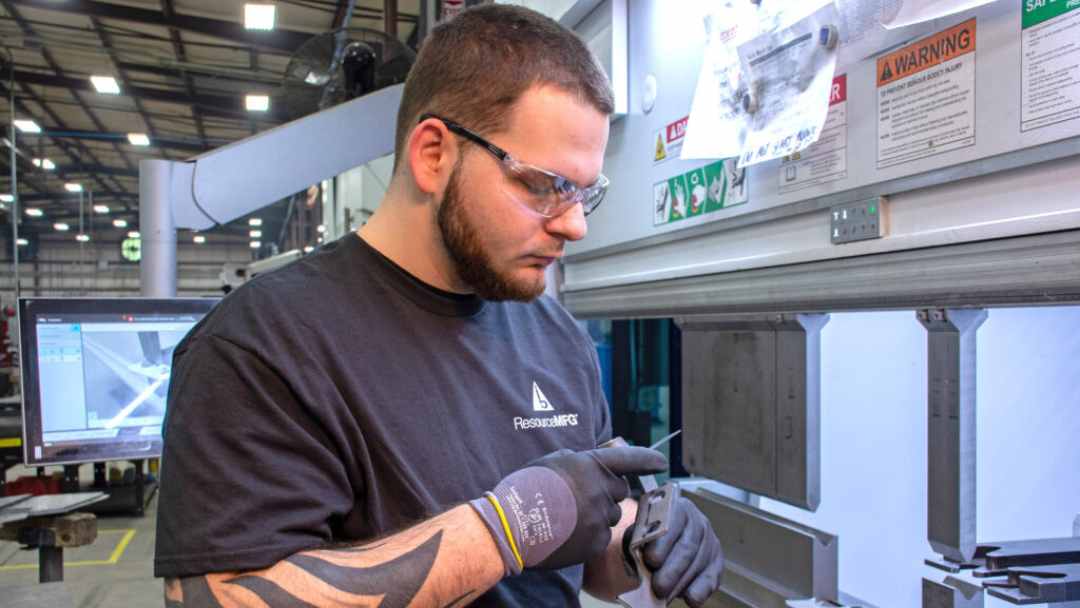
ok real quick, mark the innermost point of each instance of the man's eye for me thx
(534, 183)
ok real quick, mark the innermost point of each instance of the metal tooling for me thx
(1038, 585)
(996, 557)
(751, 395)
(951, 430)
(951, 593)
(768, 560)
(654, 509)
(846, 601)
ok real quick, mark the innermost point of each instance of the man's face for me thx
(500, 246)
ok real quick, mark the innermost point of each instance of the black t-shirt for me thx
(341, 399)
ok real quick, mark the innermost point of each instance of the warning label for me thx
(926, 97)
(826, 159)
(1049, 63)
(669, 140)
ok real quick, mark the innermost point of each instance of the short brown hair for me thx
(475, 67)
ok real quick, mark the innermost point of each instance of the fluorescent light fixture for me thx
(255, 222)
(318, 240)
(7, 198)
(257, 103)
(255, 244)
(320, 229)
(28, 126)
(82, 238)
(134, 234)
(119, 223)
(22, 242)
(73, 187)
(255, 234)
(34, 212)
(308, 249)
(259, 16)
(61, 226)
(101, 209)
(106, 85)
(44, 163)
(138, 139)
(198, 239)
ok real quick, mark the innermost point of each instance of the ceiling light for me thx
(34, 212)
(255, 244)
(308, 249)
(318, 240)
(22, 242)
(138, 139)
(101, 209)
(44, 163)
(119, 223)
(82, 238)
(255, 222)
(259, 16)
(255, 234)
(73, 187)
(320, 229)
(198, 239)
(28, 126)
(105, 84)
(134, 234)
(257, 103)
(7, 198)
(61, 226)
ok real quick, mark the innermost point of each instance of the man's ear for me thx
(432, 152)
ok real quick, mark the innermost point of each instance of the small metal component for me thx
(951, 593)
(652, 522)
(660, 443)
(1037, 585)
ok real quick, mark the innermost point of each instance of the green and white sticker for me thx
(1049, 63)
(701, 191)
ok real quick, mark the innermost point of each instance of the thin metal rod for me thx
(14, 177)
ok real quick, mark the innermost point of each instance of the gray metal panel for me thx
(1038, 269)
(951, 430)
(751, 403)
(768, 559)
(952, 593)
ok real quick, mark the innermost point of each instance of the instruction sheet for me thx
(789, 73)
(826, 160)
(926, 97)
(909, 12)
(1049, 63)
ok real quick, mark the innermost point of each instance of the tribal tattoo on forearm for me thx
(342, 577)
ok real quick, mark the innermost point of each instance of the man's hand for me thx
(559, 510)
(687, 561)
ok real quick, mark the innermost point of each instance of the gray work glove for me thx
(559, 510)
(687, 561)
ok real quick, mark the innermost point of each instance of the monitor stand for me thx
(123, 498)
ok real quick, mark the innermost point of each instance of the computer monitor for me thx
(95, 374)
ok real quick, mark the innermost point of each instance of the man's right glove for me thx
(559, 510)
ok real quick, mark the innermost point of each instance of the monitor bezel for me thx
(31, 307)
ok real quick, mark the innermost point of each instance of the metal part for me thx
(157, 267)
(1037, 585)
(751, 395)
(951, 593)
(768, 560)
(846, 601)
(652, 522)
(951, 430)
(661, 442)
(1038, 269)
(49, 535)
(997, 557)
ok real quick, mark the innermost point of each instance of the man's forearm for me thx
(606, 575)
(446, 561)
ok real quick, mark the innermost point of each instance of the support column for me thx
(951, 430)
(157, 230)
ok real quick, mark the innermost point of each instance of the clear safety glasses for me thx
(546, 193)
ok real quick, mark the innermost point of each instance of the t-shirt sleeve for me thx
(247, 475)
(599, 400)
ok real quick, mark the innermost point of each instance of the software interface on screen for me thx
(104, 377)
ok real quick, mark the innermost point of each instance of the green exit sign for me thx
(131, 249)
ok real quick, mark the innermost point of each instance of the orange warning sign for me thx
(926, 53)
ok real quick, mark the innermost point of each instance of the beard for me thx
(472, 263)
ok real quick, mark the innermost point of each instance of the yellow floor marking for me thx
(114, 557)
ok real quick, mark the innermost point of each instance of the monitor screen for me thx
(95, 375)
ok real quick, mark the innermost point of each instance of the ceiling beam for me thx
(156, 141)
(277, 39)
(181, 55)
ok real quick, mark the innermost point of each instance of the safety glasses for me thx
(546, 193)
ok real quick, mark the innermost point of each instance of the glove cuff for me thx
(493, 516)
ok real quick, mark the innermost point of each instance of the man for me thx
(400, 419)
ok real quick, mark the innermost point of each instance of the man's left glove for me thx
(687, 561)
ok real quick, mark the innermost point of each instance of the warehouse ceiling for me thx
(183, 68)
